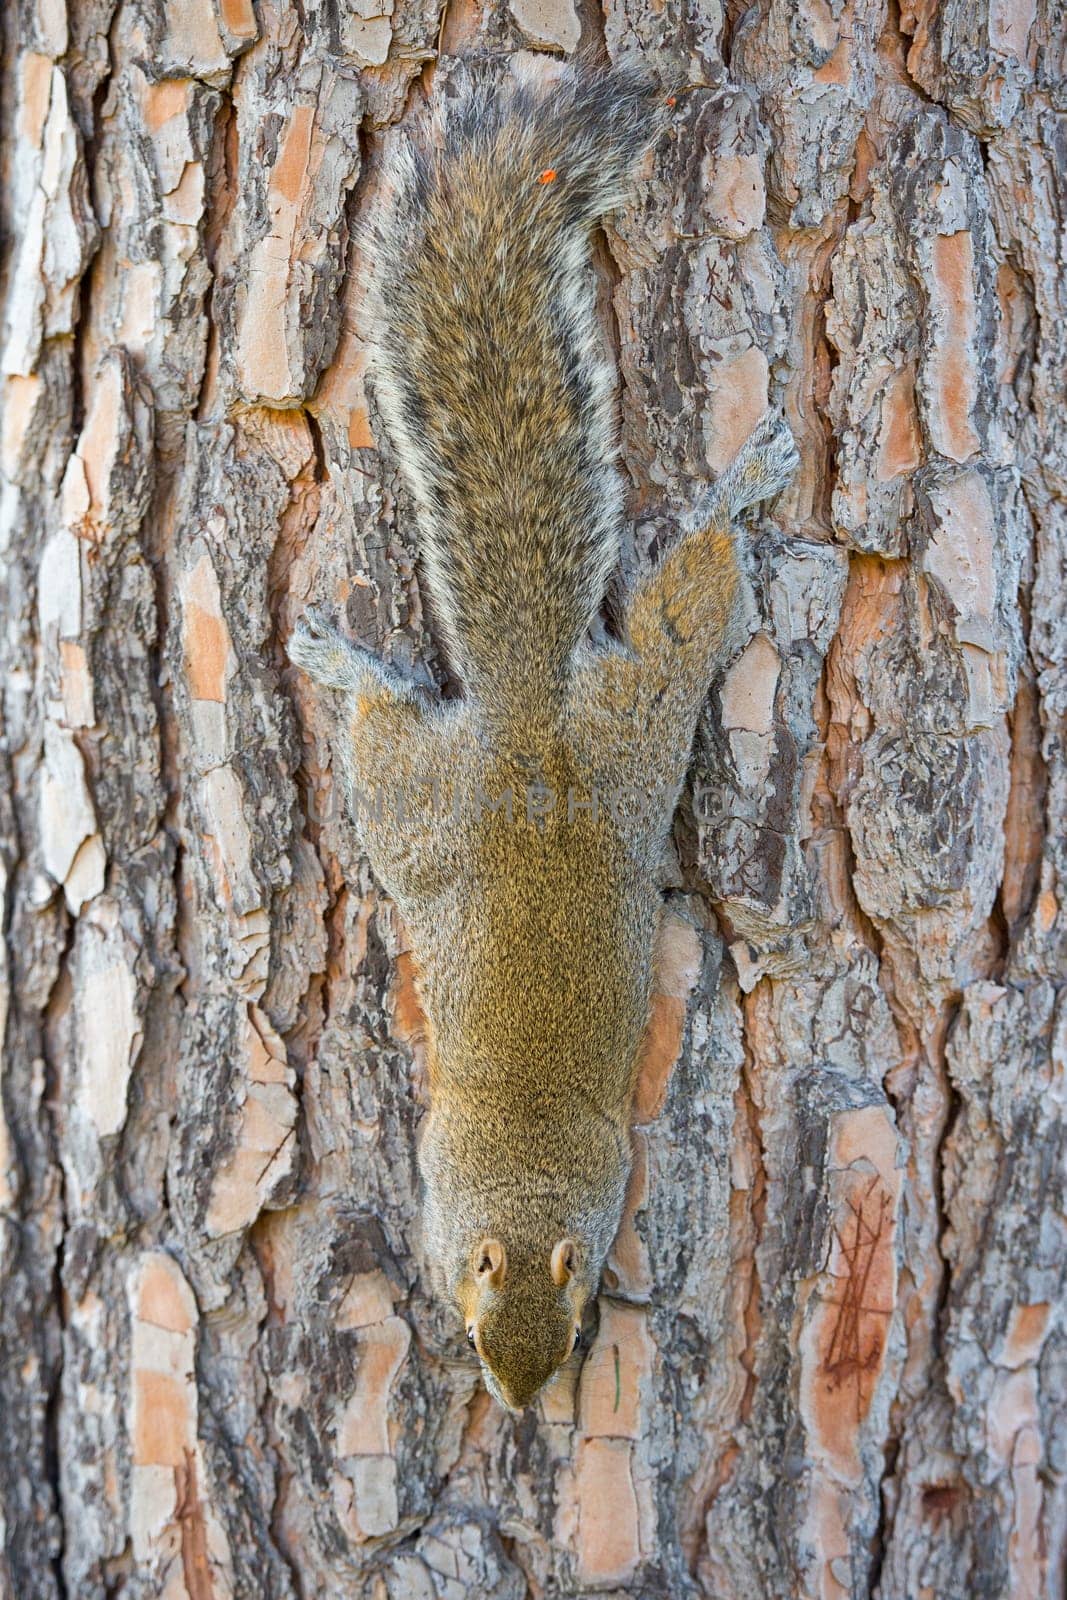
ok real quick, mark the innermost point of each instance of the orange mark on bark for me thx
(866, 156)
(837, 67)
(617, 1370)
(609, 1545)
(360, 436)
(1026, 1333)
(678, 958)
(163, 101)
(239, 17)
(660, 1050)
(857, 1336)
(363, 1428)
(628, 1264)
(196, 1567)
(953, 361)
(737, 401)
(160, 1301)
(162, 1424)
(207, 646)
(292, 163)
(899, 445)
(36, 95)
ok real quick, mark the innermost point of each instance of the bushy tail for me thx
(488, 368)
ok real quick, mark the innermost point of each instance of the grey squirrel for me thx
(532, 922)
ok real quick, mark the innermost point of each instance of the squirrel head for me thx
(524, 1318)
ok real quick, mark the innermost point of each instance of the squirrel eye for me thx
(470, 1337)
(577, 1345)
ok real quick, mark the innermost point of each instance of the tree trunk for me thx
(831, 1358)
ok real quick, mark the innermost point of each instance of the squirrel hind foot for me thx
(763, 466)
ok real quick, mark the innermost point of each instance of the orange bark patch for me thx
(616, 1371)
(77, 684)
(628, 1263)
(855, 1342)
(263, 1153)
(826, 1536)
(866, 156)
(853, 1322)
(189, 1514)
(608, 1529)
(164, 100)
(749, 687)
(660, 1050)
(161, 1426)
(35, 97)
(206, 649)
(19, 408)
(953, 374)
(360, 436)
(239, 18)
(204, 633)
(368, 1300)
(838, 68)
(292, 162)
(738, 400)
(736, 198)
(1047, 909)
(409, 1025)
(163, 1299)
(1026, 1334)
(899, 450)
(364, 1427)
(678, 956)
(99, 442)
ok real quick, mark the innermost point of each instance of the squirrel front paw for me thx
(319, 647)
(762, 467)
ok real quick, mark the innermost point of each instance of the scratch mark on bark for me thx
(196, 1564)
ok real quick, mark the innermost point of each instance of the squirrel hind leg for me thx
(762, 467)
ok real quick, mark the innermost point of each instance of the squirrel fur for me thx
(532, 909)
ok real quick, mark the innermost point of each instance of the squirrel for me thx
(521, 829)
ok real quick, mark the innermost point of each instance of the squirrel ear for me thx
(491, 1262)
(564, 1261)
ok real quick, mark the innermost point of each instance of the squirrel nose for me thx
(516, 1405)
(501, 1395)
(518, 1402)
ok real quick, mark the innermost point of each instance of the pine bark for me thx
(832, 1355)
